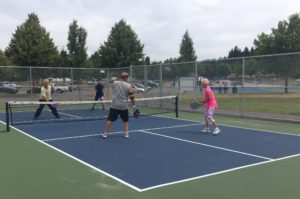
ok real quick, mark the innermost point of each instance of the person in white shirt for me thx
(121, 90)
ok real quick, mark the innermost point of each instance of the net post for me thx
(7, 116)
(176, 106)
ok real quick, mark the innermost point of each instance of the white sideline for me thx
(207, 145)
(97, 134)
(268, 160)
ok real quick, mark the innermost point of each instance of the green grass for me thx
(276, 106)
(281, 103)
(277, 180)
(29, 169)
(247, 123)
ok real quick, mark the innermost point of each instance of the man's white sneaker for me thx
(205, 130)
(216, 131)
(104, 136)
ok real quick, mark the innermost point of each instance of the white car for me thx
(59, 89)
(10, 84)
(137, 89)
(142, 86)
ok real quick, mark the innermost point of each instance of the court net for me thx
(22, 112)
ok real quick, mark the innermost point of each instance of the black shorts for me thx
(113, 114)
(97, 97)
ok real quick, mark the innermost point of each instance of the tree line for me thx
(31, 45)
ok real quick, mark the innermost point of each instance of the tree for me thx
(187, 52)
(171, 60)
(122, 48)
(31, 45)
(246, 52)
(5, 73)
(64, 59)
(252, 51)
(76, 45)
(95, 60)
(235, 52)
(4, 61)
(147, 60)
(283, 39)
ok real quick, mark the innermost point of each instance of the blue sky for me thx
(215, 26)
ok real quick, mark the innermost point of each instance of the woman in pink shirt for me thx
(211, 105)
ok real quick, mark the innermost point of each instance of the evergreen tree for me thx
(64, 58)
(235, 52)
(252, 51)
(4, 61)
(246, 52)
(171, 60)
(76, 45)
(31, 45)
(6, 74)
(122, 48)
(147, 60)
(187, 52)
(95, 60)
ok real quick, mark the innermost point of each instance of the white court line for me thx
(153, 187)
(207, 145)
(73, 157)
(75, 116)
(79, 136)
(217, 173)
(232, 126)
(238, 127)
(97, 134)
(43, 120)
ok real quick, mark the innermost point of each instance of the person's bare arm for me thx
(131, 96)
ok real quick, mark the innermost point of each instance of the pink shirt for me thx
(210, 103)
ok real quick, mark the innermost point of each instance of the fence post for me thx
(31, 82)
(7, 116)
(72, 80)
(145, 80)
(130, 71)
(176, 106)
(195, 81)
(243, 82)
(108, 84)
(160, 80)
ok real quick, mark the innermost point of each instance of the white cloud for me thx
(215, 26)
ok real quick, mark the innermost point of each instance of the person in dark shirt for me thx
(99, 93)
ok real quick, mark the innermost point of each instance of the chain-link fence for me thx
(258, 86)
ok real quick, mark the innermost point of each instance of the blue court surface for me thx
(162, 151)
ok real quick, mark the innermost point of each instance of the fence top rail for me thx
(162, 64)
(251, 57)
